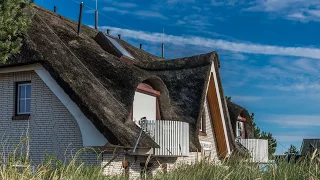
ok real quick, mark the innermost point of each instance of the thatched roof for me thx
(99, 83)
(103, 87)
(186, 79)
(236, 147)
(236, 110)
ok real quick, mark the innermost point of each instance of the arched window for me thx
(145, 103)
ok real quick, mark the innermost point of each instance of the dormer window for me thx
(239, 129)
(145, 103)
(121, 50)
(112, 46)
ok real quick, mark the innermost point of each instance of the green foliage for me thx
(258, 134)
(232, 168)
(256, 129)
(14, 21)
(228, 98)
(272, 142)
(292, 150)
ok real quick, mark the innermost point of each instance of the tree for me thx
(272, 142)
(14, 21)
(256, 129)
(292, 150)
(228, 98)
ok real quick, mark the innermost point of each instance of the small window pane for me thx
(22, 106)
(28, 105)
(22, 92)
(28, 91)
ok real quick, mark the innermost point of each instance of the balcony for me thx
(171, 136)
(258, 149)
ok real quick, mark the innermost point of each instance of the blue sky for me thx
(269, 50)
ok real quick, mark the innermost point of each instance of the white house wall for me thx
(210, 136)
(52, 129)
(90, 134)
(144, 105)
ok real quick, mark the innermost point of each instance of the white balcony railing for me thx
(258, 149)
(171, 136)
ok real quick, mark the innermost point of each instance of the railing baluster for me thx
(171, 136)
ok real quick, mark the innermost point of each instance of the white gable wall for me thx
(52, 129)
(144, 105)
(210, 136)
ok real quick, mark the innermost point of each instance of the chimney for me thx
(162, 49)
(108, 31)
(140, 46)
(80, 18)
(96, 20)
(55, 9)
(119, 35)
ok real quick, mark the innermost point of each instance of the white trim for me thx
(90, 134)
(29, 67)
(213, 71)
(239, 127)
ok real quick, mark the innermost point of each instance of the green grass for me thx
(229, 169)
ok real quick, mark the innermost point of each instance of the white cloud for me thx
(138, 13)
(125, 4)
(121, 4)
(294, 120)
(246, 98)
(112, 9)
(299, 10)
(150, 14)
(225, 2)
(180, 1)
(219, 44)
(297, 16)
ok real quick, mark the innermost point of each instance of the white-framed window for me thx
(239, 128)
(23, 98)
(202, 127)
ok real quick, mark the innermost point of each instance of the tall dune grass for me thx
(52, 168)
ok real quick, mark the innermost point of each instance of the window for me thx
(239, 129)
(23, 99)
(202, 128)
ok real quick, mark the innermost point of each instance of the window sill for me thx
(21, 117)
(202, 134)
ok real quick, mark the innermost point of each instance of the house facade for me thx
(72, 95)
(244, 133)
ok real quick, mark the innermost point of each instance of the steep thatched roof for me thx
(186, 79)
(99, 83)
(236, 110)
(103, 87)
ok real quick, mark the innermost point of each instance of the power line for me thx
(104, 15)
